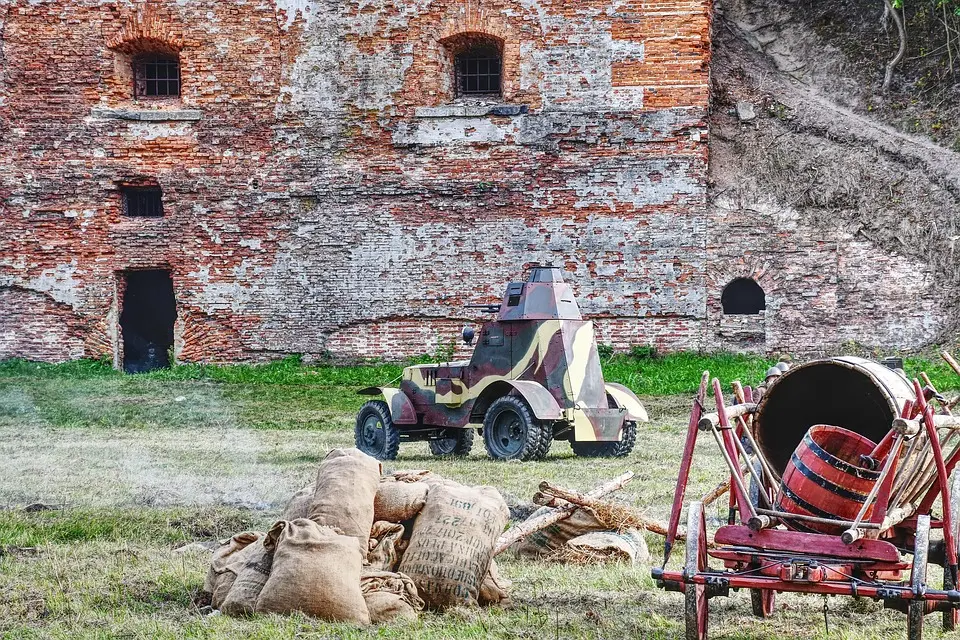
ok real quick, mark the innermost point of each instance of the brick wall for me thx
(324, 191)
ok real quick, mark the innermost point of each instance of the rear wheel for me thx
(457, 443)
(763, 602)
(951, 618)
(511, 432)
(608, 449)
(918, 579)
(375, 433)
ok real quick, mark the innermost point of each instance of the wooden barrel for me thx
(824, 478)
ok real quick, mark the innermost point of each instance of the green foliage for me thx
(605, 351)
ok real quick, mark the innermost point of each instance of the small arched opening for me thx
(743, 296)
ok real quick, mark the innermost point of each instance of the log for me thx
(712, 420)
(527, 527)
(719, 491)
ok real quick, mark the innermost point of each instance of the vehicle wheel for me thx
(608, 449)
(763, 602)
(951, 619)
(918, 578)
(696, 604)
(375, 433)
(457, 445)
(510, 432)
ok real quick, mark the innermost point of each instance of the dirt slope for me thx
(823, 148)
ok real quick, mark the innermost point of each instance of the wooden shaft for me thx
(783, 515)
(738, 482)
(685, 463)
(950, 361)
(772, 476)
(739, 496)
(760, 522)
(876, 486)
(906, 427)
(735, 411)
(761, 487)
(946, 422)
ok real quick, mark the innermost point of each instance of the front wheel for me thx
(696, 603)
(375, 433)
(457, 445)
(608, 449)
(511, 432)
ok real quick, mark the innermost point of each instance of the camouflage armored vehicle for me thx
(534, 378)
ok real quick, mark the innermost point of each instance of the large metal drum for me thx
(857, 394)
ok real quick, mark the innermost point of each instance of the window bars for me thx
(156, 76)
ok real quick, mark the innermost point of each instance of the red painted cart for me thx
(872, 507)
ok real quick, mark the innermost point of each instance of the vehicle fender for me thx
(628, 400)
(542, 403)
(401, 408)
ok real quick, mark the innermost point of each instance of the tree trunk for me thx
(902, 32)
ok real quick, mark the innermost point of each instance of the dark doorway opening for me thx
(149, 311)
(743, 296)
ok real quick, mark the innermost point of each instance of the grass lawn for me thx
(139, 465)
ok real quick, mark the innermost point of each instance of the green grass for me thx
(142, 464)
(161, 526)
(645, 372)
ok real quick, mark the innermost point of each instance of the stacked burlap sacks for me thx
(584, 538)
(339, 552)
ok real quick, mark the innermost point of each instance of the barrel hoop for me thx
(806, 506)
(822, 482)
(798, 525)
(837, 463)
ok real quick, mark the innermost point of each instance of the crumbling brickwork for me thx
(324, 189)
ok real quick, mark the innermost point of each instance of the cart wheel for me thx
(918, 578)
(951, 618)
(695, 595)
(763, 602)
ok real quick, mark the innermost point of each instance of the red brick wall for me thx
(324, 192)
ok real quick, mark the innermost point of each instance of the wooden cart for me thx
(776, 541)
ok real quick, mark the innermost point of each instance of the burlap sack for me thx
(390, 596)
(607, 546)
(316, 571)
(549, 540)
(410, 475)
(243, 595)
(346, 486)
(399, 501)
(300, 503)
(452, 543)
(226, 564)
(385, 551)
(494, 588)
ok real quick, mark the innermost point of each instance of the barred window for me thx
(479, 70)
(156, 75)
(142, 202)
